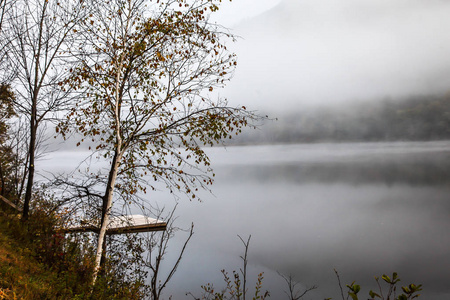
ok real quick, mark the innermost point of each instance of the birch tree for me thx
(145, 80)
(36, 35)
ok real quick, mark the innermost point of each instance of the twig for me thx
(339, 281)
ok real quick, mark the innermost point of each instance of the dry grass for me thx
(21, 275)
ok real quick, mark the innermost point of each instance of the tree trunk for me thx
(31, 155)
(106, 210)
(2, 180)
(118, 153)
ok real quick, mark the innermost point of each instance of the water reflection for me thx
(365, 209)
(396, 163)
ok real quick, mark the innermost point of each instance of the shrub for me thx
(409, 292)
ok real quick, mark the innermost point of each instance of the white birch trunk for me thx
(115, 105)
(105, 217)
(118, 153)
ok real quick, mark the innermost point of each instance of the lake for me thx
(362, 208)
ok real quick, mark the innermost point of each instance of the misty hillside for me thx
(307, 52)
(303, 61)
(419, 118)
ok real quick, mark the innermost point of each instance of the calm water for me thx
(362, 208)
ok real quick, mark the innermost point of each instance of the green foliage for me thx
(124, 273)
(409, 292)
(353, 290)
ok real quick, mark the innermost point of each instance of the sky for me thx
(301, 53)
(232, 13)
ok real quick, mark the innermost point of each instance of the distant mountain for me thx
(419, 118)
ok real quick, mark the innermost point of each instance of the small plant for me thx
(293, 292)
(236, 286)
(409, 292)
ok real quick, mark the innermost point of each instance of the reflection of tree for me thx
(416, 170)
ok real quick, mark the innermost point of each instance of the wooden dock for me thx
(121, 225)
(117, 225)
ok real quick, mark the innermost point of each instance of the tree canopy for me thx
(144, 77)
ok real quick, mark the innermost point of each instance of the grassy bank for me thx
(37, 262)
(22, 276)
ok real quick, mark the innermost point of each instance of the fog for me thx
(300, 53)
